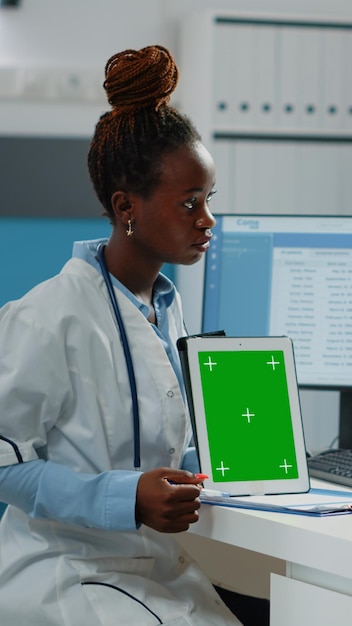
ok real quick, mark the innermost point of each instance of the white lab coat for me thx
(65, 396)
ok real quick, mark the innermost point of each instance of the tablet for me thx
(244, 404)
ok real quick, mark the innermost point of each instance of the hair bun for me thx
(140, 78)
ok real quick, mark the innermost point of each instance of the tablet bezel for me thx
(194, 345)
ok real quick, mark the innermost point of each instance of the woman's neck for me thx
(139, 277)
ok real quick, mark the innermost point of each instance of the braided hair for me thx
(130, 140)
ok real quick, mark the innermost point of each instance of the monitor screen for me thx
(286, 275)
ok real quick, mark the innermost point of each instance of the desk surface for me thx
(322, 543)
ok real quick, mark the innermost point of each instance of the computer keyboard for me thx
(335, 466)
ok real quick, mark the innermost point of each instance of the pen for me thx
(212, 493)
(330, 508)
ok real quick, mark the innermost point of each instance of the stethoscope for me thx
(127, 353)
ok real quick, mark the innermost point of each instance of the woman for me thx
(95, 489)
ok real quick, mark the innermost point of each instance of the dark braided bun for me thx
(135, 79)
(131, 139)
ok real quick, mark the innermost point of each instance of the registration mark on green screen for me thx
(248, 415)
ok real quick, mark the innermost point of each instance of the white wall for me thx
(82, 34)
(50, 32)
(85, 33)
(88, 31)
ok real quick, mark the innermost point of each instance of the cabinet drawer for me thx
(295, 603)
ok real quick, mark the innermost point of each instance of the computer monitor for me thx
(288, 275)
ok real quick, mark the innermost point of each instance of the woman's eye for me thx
(190, 204)
(210, 195)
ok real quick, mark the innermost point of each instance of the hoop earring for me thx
(129, 230)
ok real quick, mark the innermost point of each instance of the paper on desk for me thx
(318, 502)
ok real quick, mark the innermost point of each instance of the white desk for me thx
(316, 588)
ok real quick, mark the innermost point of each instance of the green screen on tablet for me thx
(248, 415)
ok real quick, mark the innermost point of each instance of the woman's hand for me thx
(167, 500)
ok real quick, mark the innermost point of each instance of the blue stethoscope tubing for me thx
(127, 354)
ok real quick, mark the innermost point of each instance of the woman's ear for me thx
(121, 206)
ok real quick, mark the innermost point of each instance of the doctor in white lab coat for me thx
(66, 413)
(87, 538)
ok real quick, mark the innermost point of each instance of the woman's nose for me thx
(207, 221)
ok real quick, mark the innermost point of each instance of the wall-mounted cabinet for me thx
(272, 97)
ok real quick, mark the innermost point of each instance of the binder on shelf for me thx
(332, 98)
(264, 97)
(309, 72)
(223, 78)
(287, 77)
(346, 103)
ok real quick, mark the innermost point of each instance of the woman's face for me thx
(172, 225)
